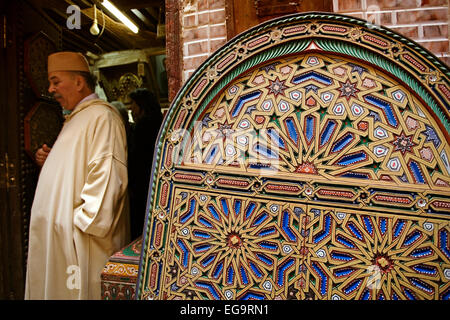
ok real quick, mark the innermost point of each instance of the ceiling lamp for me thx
(119, 15)
(94, 30)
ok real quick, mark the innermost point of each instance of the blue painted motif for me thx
(355, 231)
(214, 212)
(421, 285)
(417, 173)
(190, 213)
(341, 256)
(343, 272)
(268, 245)
(309, 128)
(312, 75)
(224, 205)
(343, 142)
(184, 253)
(345, 242)
(327, 132)
(292, 130)
(352, 158)
(230, 275)
(411, 238)
(368, 225)
(286, 228)
(201, 248)
(399, 226)
(263, 258)
(260, 219)
(352, 286)
(267, 231)
(266, 152)
(250, 209)
(242, 100)
(443, 242)
(282, 269)
(366, 295)
(326, 230)
(422, 252)
(252, 296)
(205, 222)
(385, 107)
(255, 269)
(424, 269)
(408, 293)
(237, 207)
(209, 287)
(208, 260)
(275, 137)
(383, 225)
(323, 278)
(218, 270)
(200, 234)
(244, 276)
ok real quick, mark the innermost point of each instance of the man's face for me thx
(64, 88)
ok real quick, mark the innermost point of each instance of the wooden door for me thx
(20, 23)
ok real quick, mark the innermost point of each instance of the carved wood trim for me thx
(173, 48)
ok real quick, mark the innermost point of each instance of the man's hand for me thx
(42, 154)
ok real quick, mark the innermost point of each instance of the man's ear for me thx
(80, 83)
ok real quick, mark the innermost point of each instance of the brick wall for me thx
(203, 31)
(203, 24)
(424, 21)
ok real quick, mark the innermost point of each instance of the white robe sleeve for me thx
(101, 194)
(106, 181)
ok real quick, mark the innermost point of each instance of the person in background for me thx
(124, 113)
(147, 116)
(80, 211)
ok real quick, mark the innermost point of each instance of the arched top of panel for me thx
(317, 97)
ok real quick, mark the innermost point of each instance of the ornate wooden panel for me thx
(119, 275)
(308, 158)
(42, 125)
(36, 50)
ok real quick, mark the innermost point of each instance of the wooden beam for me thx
(119, 30)
(151, 13)
(136, 4)
(149, 24)
(126, 57)
(130, 40)
(116, 35)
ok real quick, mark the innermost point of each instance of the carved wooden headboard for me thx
(306, 158)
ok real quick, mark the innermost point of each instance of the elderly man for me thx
(80, 212)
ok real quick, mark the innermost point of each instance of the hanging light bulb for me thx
(94, 30)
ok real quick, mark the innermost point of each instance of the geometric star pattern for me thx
(351, 126)
(230, 247)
